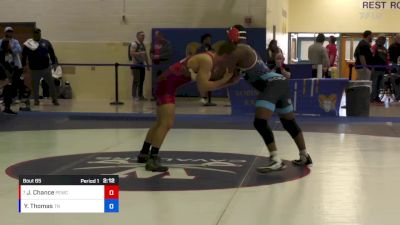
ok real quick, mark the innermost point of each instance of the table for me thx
(319, 97)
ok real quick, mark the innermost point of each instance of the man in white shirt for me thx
(318, 55)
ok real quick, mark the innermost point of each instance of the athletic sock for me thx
(146, 148)
(303, 152)
(274, 156)
(154, 150)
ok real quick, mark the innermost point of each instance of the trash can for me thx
(358, 94)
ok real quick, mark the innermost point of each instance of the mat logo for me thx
(327, 103)
(178, 167)
(188, 170)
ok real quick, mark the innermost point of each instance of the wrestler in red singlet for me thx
(206, 69)
(174, 77)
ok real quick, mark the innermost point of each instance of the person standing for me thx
(15, 46)
(318, 55)
(394, 55)
(274, 96)
(332, 50)
(363, 55)
(272, 51)
(394, 50)
(139, 62)
(200, 68)
(280, 67)
(380, 61)
(16, 50)
(160, 54)
(6, 90)
(39, 52)
(6, 72)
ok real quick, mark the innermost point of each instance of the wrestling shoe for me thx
(272, 166)
(142, 158)
(154, 164)
(203, 100)
(305, 160)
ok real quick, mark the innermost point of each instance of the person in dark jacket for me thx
(8, 90)
(380, 61)
(39, 53)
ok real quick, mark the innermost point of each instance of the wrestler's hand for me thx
(227, 75)
(235, 79)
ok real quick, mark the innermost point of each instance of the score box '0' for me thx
(68, 194)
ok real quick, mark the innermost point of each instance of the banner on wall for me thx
(318, 97)
(184, 40)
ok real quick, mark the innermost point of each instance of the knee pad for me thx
(291, 127)
(264, 130)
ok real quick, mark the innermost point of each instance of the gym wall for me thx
(97, 31)
(343, 16)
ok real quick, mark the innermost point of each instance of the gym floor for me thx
(212, 158)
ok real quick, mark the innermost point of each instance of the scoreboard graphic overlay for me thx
(68, 194)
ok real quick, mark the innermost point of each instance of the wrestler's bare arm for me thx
(205, 66)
